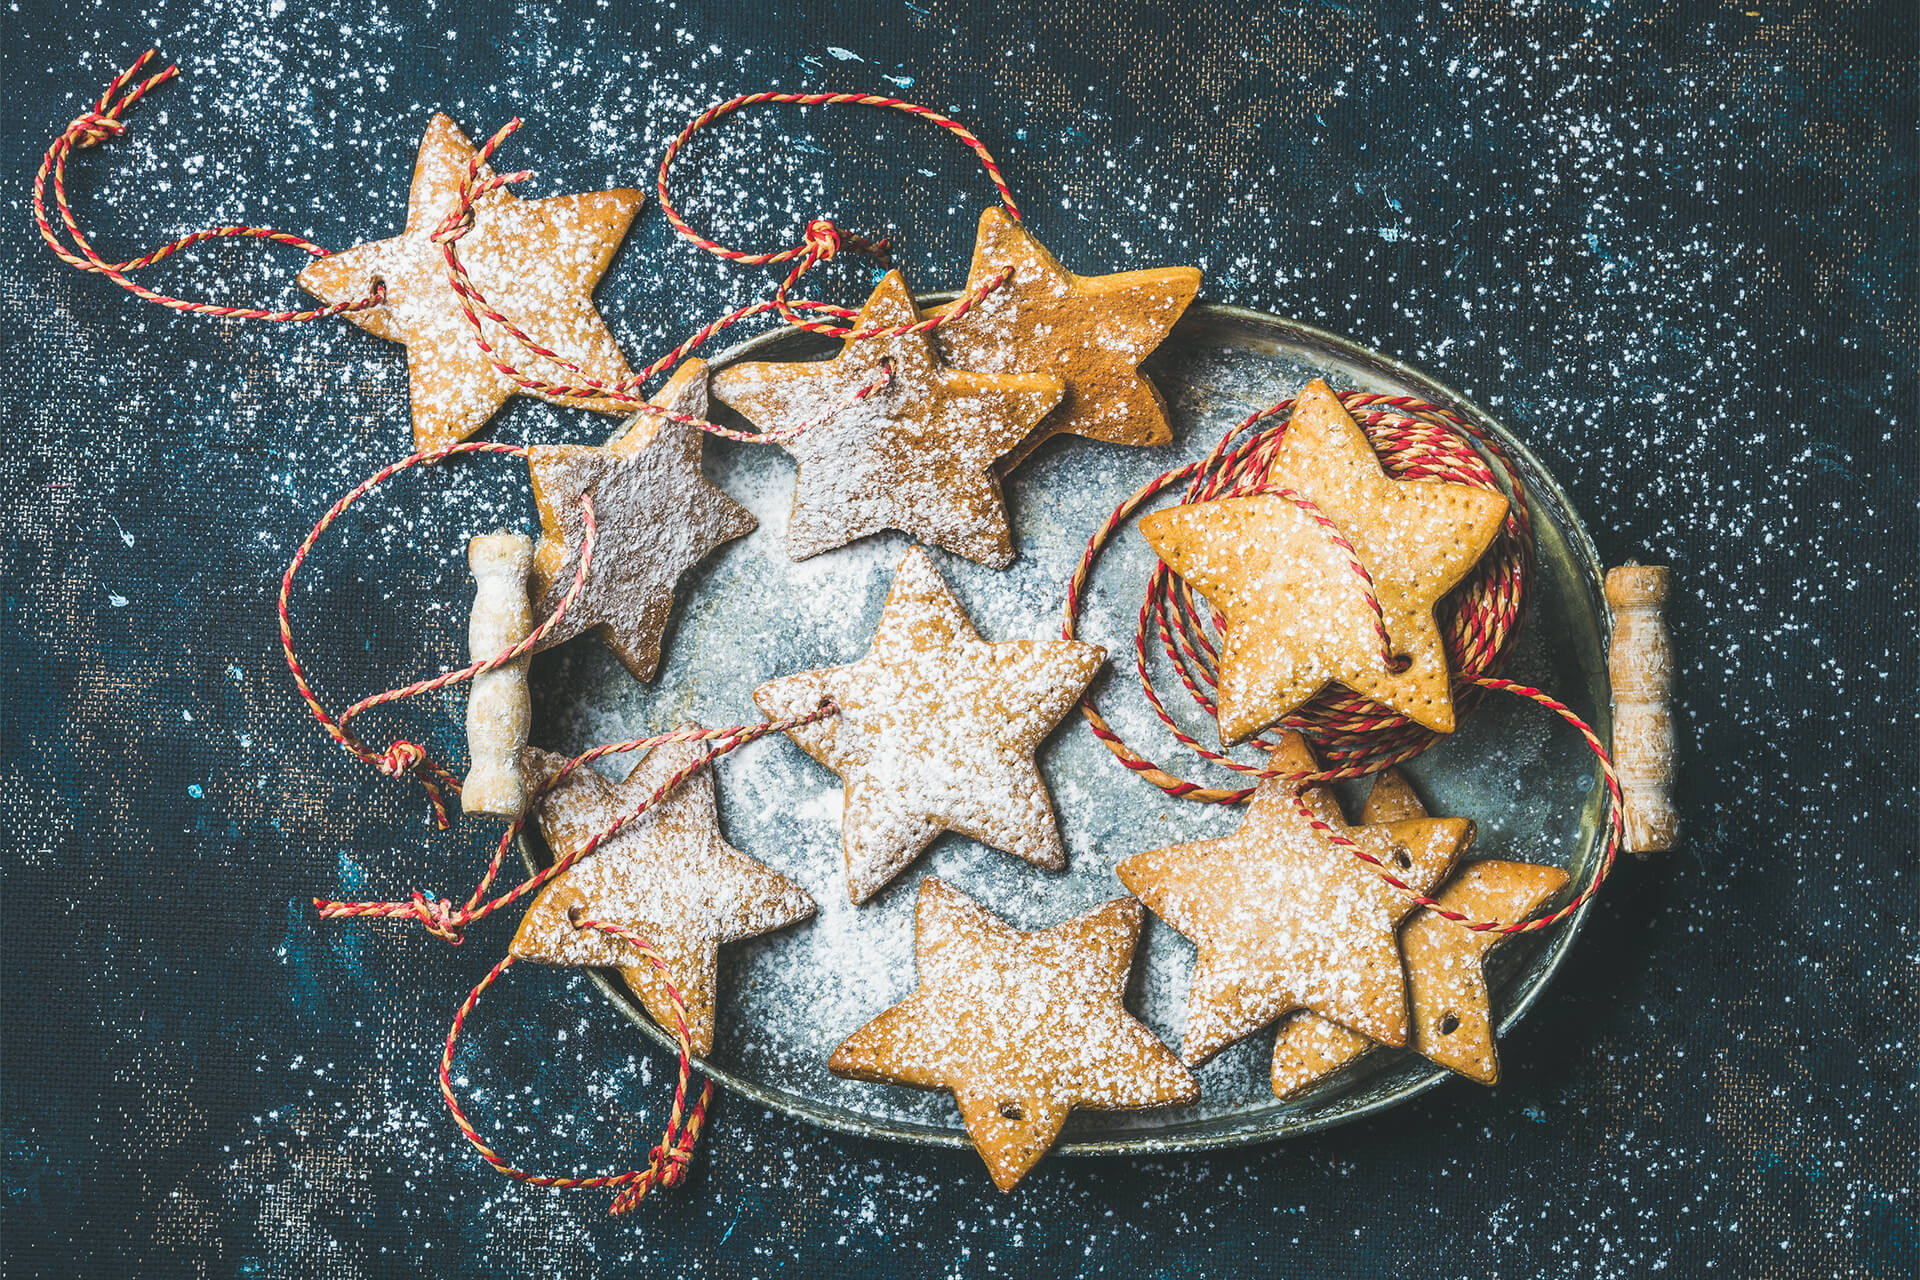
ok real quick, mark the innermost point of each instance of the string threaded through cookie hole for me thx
(1353, 736)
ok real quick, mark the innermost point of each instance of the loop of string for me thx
(403, 758)
(103, 123)
(669, 1159)
(822, 241)
(1354, 736)
(819, 228)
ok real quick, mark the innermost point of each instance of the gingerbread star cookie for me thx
(537, 262)
(1093, 331)
(656, 516)
(936, 731)
(1285, 919)
(1022, 1028)
(916, 455)
(1417, 538)
(1296, 615)
(668, 876)
(1446, 966)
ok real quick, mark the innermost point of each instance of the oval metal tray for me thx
(749, 614)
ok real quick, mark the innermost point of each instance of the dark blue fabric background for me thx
(1670, 241)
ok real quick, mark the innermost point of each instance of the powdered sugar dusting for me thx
(536, 261)
(667, 875)
(936, 732)
(914, 455)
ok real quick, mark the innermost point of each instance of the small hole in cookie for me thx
(1448, 1023)
(1398, 662)
(1401, 858)
(1012, 1111)
(575, 914)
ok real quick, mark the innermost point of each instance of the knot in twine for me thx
(669, 1164)
(824, 238)
(402, 758)
(438, 917)
(90, 128)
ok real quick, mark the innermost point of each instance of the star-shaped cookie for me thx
(1446, 966)
(1285, 919)
(1022, 1028)
(656, 516)
(916, 455)
(1296, 615)
(1417, 538)
(936, 731)
(537, 262)
(668, 876)
(1093, 331)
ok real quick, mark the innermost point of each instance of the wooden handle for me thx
(499, 709)
(1640, 666)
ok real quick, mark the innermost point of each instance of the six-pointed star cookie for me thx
(1417, 538)
(668, 876)
(936, 731)
(916, 455)
(1446, 966)
(1285, 919)
(1021, 1027)
(1091, 330)
(656, 516)
(1296, 614)
(537, 262)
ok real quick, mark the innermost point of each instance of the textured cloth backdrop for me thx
(1671, 243)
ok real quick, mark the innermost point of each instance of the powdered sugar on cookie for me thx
(668, 876)
(1285, 919)
(1092, 331)
(915, 455)
(656, 516)
(936, 731)
(1021, 1027)
(537, 262)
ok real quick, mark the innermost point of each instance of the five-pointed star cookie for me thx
(936, 731)
(1021, 1027)
(916, 455)
(668, 876)
(1091, 330)
(656, 516)
(1296, 614)
(1446, 966)
(1285, 919)
(1417, 538)
(537, 262)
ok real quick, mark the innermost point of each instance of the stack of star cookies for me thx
(1291, 927)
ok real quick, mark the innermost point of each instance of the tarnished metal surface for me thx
(789, 998)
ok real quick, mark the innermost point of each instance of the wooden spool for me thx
(1640, 667)
(499, 708)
